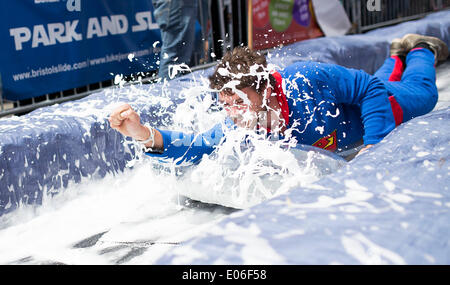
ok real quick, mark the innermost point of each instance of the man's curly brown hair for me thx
(237, 66)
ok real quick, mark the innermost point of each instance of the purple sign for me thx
(301, 13)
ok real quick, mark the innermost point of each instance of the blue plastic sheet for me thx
(389, 206)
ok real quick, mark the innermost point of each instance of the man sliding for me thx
(318, 104)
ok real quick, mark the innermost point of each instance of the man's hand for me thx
(365, 148)
(125, 120)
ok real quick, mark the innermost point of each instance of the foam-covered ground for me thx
(118, 221)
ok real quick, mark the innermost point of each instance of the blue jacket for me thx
(330, 107)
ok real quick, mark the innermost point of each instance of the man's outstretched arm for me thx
(174, 145)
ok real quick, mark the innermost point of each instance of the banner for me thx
(53, 45)
(280, 22)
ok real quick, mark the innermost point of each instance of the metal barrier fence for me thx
(8, 108)
(372, 14)
(228, 21)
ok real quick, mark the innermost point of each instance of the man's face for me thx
(244, 106)
(245, 100)
(249, 109)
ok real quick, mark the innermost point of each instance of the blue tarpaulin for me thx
(389, 206)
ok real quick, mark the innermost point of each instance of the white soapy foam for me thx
(242, 177)
(129, 206)
(367, 252)
(422, 153)
(389, 185)
(255, 249)
(143, 204)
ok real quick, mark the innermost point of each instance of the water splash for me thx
(247, 168)
(135, 205)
